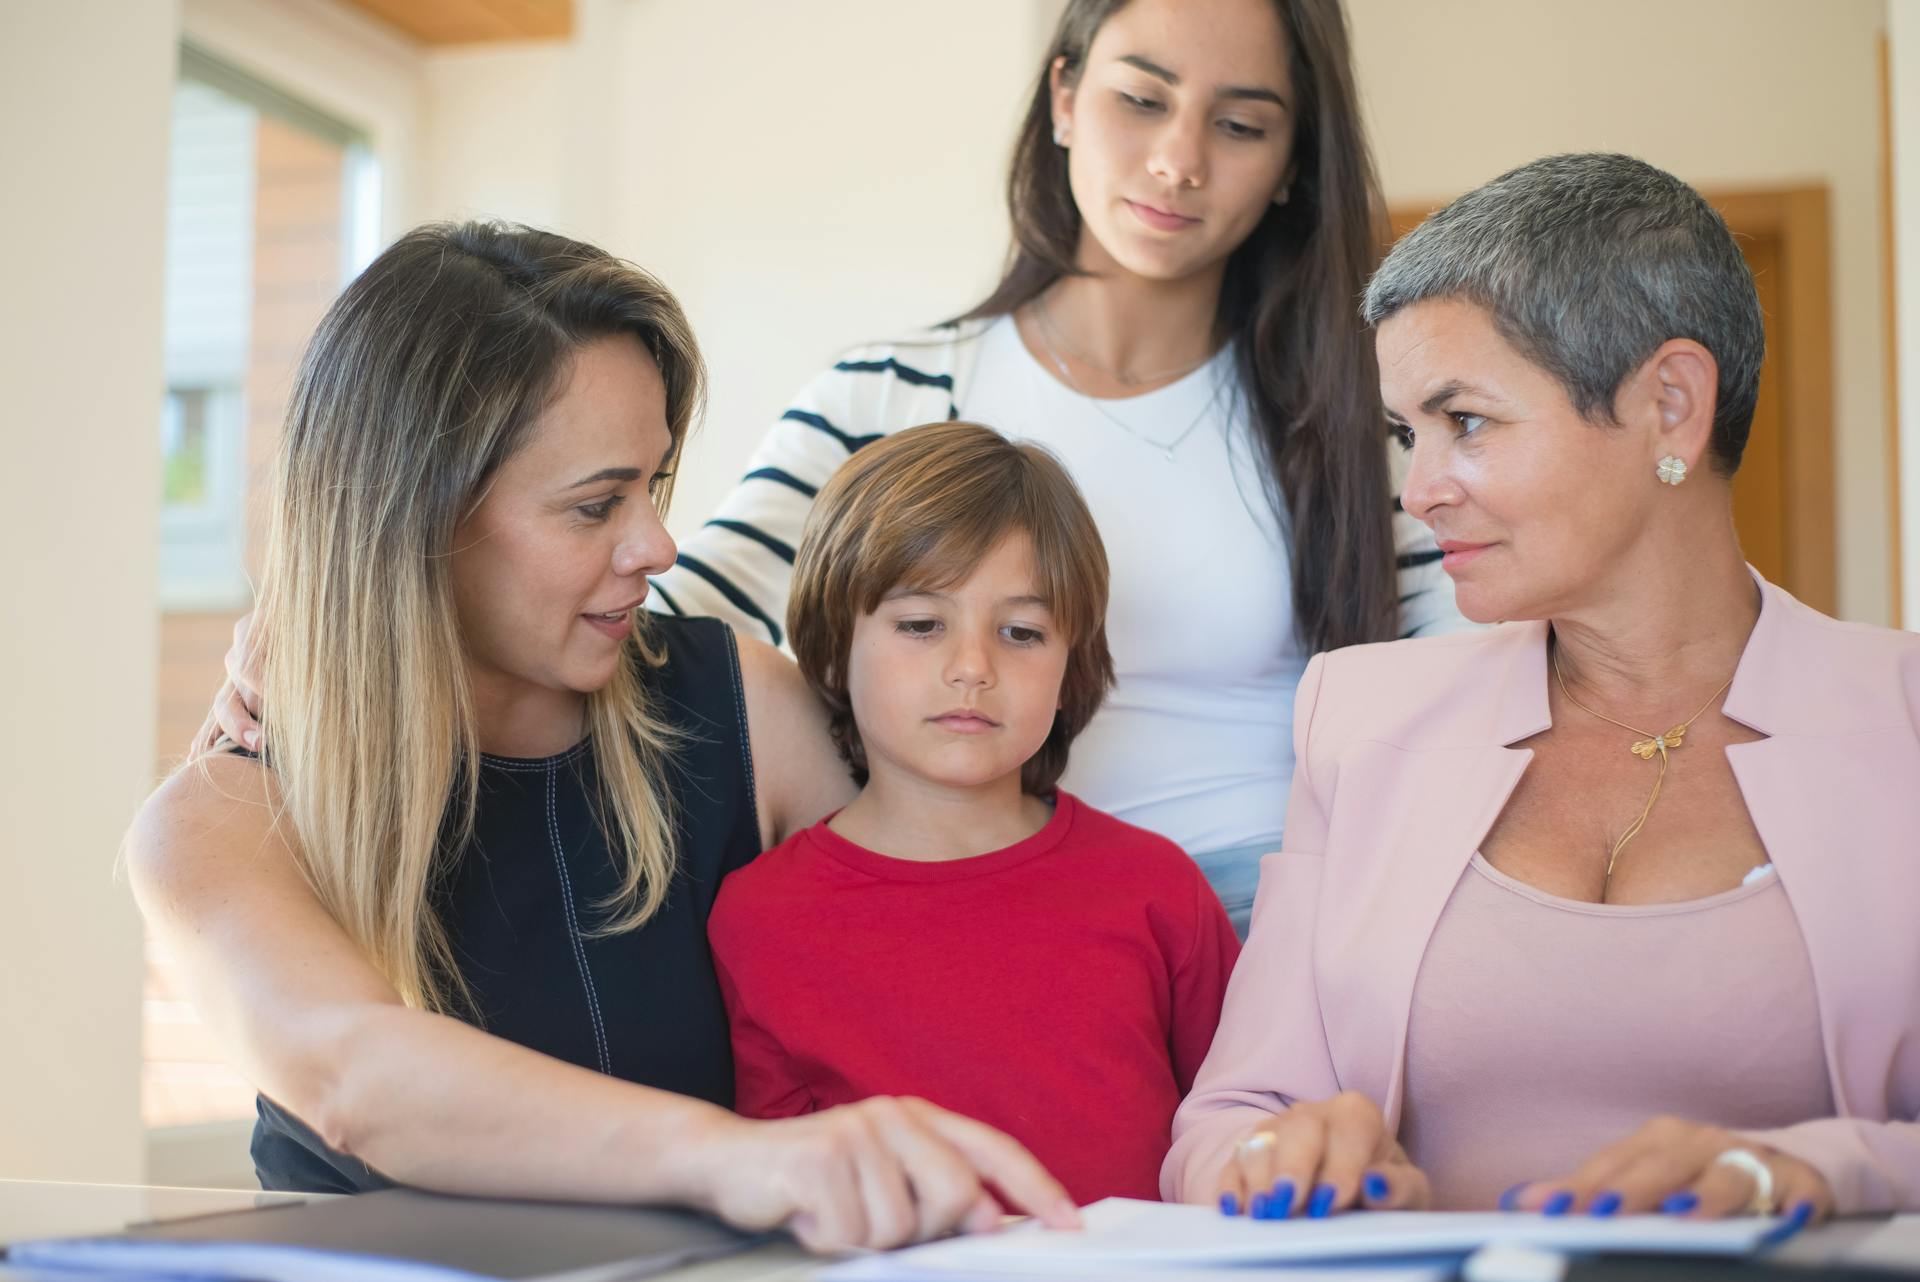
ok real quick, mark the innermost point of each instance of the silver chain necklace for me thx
(1166, 448)
(1055, 345)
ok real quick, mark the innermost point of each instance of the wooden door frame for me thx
(1890, 321)
(1797, 216)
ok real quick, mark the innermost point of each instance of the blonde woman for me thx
(454, 925)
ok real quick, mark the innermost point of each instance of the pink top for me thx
(1526, 1001)
(1404, 755)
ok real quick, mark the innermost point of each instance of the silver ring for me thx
(1255, 1142)
(1758, 1171)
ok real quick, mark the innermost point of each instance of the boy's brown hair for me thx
(924, 507)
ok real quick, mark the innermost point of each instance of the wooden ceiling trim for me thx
(458, 22)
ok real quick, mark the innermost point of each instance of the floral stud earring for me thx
(1673, 470)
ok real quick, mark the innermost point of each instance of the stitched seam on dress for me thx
(535, 767)
(746, 735)
(573, 924)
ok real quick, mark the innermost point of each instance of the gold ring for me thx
(1255, 1142)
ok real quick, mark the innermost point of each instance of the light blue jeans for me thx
(1234, 875)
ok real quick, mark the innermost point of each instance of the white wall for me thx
(1724, 93)
(802, 185)
(803, 176)
(85, 87)
(1903, 32)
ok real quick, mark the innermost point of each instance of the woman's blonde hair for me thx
(426, 375)
(924, 507)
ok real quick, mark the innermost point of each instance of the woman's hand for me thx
(877, 1174)
(1672, 1165)
(237, 705)
(1320, 1157)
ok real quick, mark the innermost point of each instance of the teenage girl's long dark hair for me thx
(1288, 301)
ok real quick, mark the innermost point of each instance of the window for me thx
(272, 206)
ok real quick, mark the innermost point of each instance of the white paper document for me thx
(1122, 1235)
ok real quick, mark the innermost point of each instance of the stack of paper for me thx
(1124, 1236)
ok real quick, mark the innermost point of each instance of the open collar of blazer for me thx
(1834, 791)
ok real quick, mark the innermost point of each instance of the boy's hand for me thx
(877, 1174)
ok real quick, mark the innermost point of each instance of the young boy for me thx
(964, 931)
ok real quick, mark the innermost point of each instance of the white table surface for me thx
(31, 1208)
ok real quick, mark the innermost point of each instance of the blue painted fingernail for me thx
(1511, 1198)
(1323, 1195)
(1802, 1212)
(1558, 1203)
(1257, 1207)
(1229, 1204)
(1376, 1186)
(1280, 1205)
(1605, 1204)
(1679, 1203)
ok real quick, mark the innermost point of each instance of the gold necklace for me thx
(1644, 748)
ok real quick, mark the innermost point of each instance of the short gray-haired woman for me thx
(1609, 907)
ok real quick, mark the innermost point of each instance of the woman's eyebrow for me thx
(1159, 72)
(1450, 389)
(608, 474)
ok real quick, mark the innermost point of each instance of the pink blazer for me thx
(1402, 765)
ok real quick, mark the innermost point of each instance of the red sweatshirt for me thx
(1063, 989)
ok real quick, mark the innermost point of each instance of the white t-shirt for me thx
(1195, 741)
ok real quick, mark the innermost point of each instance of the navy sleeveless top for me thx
(519, 903)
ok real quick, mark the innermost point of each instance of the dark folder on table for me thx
(400, 1233)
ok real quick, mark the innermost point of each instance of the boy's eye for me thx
(1022, 635)
(917, 627)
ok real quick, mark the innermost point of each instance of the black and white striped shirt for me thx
(1194, 741)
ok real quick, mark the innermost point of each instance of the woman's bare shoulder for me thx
(799, 773)
(210, 812)
(771, 678)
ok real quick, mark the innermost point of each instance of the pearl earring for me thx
(1672, 470)
(1059, 138)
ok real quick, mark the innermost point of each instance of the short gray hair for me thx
(1588, 263)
